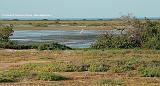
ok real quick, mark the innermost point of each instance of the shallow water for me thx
(72, 38)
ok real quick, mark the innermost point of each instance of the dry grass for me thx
(72, 55)
(12, 58)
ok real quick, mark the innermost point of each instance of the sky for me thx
(80, 8)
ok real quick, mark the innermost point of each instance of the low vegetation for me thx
(38, 46)
(150, 71)
(114, 66)
(48, 76)
(11, 76)
(109, 82)
(15, 76)
(82, 67)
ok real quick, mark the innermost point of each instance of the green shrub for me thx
(6, 79)
(11, 75)
(51, 67)
(46, 58)
(82, 67)
(5, 32)
(109, 81)
(16, 75)
(134, 34)
(125, 65)
(122, 68)
(39, 46)
(152, 43)
(108, 41)
(30, 67)
(150, 71)
(98, 67)
(154, 63)
(49, 76)
(61, 67)
(52, 46)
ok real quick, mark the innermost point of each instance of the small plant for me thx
(45, 58)
(109, 81)
(52, 46)
(6, 79)
(49, 76)
(98, 67)
(39, 46)
(150, 71)
(121, 69)
(82, 67)
(125, 65)
(11, 75)
(30, 67)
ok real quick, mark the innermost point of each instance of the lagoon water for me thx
(72, 38)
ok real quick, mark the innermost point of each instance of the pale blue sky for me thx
(82, 8)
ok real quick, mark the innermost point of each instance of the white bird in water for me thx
(81, 31)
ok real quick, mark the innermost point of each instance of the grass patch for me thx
(38, 46)
(46, 58)
(11, 76)
(49, 76)
(121, 69)
(109, 81)
(93, 65)
(98, 67)
(147, 68)
(17, 75)
(150, 71)
(5, 79)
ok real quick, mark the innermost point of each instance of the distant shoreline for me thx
(70, 19)
(65, 24)
(61, 27)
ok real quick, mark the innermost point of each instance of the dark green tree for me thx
(5, 32)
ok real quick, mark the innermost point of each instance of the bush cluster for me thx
(116, 66)
(150, 71)
(135, 33)
(14, 76)
(11, 76)
(49, 76)
(110, 82)
(46, 71)
(39, 46)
